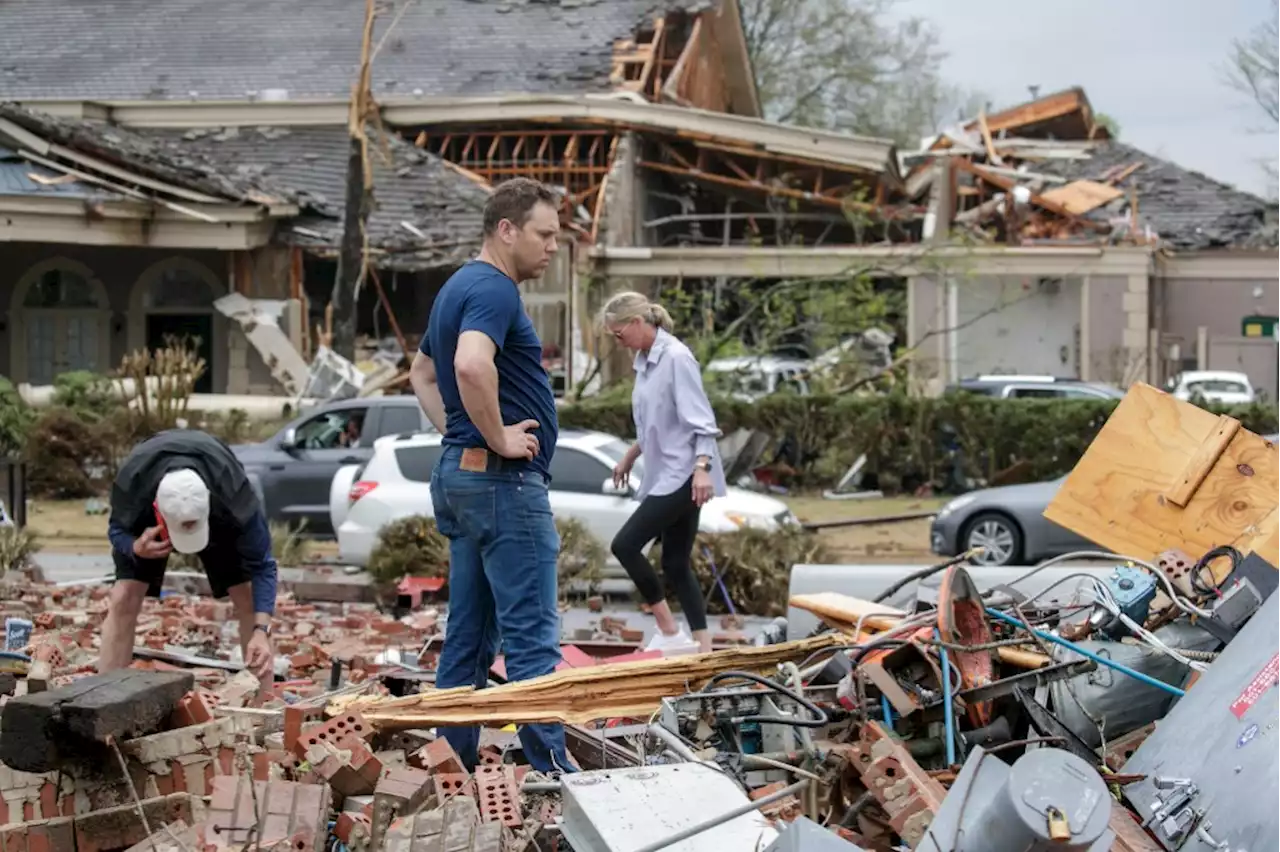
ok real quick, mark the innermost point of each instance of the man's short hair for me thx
(514, 201)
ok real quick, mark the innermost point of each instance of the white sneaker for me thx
(672, 646)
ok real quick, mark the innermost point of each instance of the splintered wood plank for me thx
(1130, 837)
(1081, 196)
(576, 696)
(1118, 495)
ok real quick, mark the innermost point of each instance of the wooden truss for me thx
(576, 160)
(766, 175)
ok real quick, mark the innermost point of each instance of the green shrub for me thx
(16, 418)
(17, 545)
(754, 565)
(68, 456)
(582, 555)
(88, 394)
(410, 546)
(905, 438)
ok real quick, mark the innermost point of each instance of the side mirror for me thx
(289, 439)
(612, 490)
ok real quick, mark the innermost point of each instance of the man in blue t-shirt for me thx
(479, 377)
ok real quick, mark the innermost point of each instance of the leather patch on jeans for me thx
(475, 460)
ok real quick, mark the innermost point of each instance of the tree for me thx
(1254, 70)
(1102, 119)
(849, 65)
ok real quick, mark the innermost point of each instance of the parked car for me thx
(1221, 386)
(1009, 523)
(396, 483)
(292, 470)
(750, 377)
(1036, 387)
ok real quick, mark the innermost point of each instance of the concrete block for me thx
(120, 827)
(39, 732)
(293, 815)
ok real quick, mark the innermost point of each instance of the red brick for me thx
(336, 728)
(450, 784)
(193, 709)
(347, 764)
(499, 795)
(287, 810)
(438, 756)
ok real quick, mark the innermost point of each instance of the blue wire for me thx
(888, 711)
(948, 721)
(14, 655)
(1100, 660)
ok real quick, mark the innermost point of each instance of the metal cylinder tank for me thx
(1051, 801)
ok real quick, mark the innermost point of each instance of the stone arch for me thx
(158, 292)
(54, 322)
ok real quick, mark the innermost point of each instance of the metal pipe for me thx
(1102, 661)
(674, 743)
(540, 787)
(706, 825)
(949, 722)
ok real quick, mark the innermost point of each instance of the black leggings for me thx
(674, 519)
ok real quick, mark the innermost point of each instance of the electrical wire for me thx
(1105, 599)
(948, 721)
(1211, 588)
(819, 719)
(1170, 590)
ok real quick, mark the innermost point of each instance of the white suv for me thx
(396, 483)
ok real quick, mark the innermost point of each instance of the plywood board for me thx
(1118, 495)
(1081, 196)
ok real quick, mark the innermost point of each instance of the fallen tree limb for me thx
(575, 696)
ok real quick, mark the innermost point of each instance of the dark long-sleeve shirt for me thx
(253, 545)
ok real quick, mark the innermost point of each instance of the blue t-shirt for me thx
(480, 297)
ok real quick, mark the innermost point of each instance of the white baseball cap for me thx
(182, 499)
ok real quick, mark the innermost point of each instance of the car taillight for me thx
(360, 489)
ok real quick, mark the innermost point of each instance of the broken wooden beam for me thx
(575, 696)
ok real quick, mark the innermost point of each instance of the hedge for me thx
(952, 442)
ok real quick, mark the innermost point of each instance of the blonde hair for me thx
(630, 305)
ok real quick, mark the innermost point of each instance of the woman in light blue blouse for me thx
(676, 431)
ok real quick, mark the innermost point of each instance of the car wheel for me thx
(998, 536)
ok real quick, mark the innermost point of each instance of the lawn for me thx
(63, 526)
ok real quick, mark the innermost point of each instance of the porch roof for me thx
(426, 212)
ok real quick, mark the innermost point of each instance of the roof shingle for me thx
(1190, 211)
(233, 49)
(443, 209)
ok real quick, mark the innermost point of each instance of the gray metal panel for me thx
(1226, 749)
(867, 581)
(621, 810)
(805, 835)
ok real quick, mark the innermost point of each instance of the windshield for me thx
(1216, 386)
(616, 449)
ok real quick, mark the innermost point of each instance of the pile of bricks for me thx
(309, 637)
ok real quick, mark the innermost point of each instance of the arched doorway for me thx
(174, 297)
(63, 317)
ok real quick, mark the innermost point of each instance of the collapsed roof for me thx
(194, 50)
(1047, 171)
(426, 212)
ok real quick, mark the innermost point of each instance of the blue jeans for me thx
(502, 583)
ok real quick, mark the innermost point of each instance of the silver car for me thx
(1008, 523)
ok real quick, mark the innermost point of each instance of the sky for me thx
(1155, 66)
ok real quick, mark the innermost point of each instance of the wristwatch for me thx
(265, 628)
(703, 466)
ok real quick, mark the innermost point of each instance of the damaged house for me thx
(1023, 241)
(183, 92)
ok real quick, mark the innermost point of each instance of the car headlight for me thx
(958, 503)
